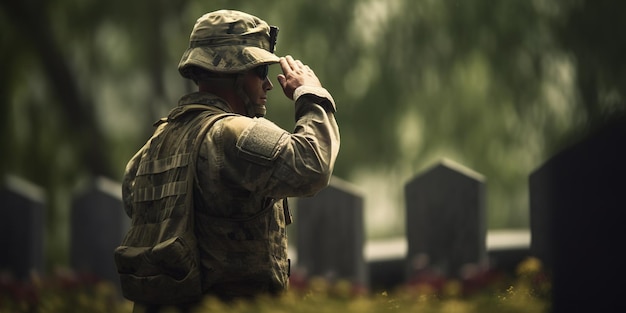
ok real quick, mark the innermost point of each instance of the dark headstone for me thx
(507, 249)
(330, 234)
(578, 210)
(98, 224)
(445, 220)
(21, 227)
(386, 274)
(386, 263)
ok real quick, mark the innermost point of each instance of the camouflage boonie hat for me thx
(228, 41)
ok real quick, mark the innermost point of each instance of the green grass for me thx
(527, 292)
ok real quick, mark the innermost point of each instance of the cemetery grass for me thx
(527, 291)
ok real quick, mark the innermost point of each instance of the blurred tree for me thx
(56, 67)
(43, 55)
(591, 32)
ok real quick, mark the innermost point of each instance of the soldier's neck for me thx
(225, 92)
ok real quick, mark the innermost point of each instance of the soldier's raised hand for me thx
(296, 74)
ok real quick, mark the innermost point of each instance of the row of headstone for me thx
(445, 228)
(445, 223)
(97, 222)
(577, 214)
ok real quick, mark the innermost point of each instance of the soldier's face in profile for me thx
(256, 85)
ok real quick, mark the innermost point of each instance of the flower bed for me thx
(527, 292)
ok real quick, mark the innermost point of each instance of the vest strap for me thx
(160, 192)
(163, 165)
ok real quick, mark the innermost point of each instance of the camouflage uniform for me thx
(245, 168)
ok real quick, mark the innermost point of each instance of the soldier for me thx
(245, 168)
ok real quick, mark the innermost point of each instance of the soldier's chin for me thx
(260, 110)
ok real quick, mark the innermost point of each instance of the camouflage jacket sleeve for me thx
(257, 156)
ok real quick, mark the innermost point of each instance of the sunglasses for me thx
(262, 71)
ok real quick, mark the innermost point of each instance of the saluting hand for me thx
(295, 74)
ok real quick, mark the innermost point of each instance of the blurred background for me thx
(498, 86)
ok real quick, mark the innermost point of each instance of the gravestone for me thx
(98, 224)
(330, 234)
(578, 215)
(445, 220)
(22, 206)
(507, 249)
(385, 263)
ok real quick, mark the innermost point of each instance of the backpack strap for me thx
(212, 119)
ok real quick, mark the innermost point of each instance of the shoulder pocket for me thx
(261, 141)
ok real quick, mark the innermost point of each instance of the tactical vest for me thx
(244, 257)
(158, 260)
(236, 257)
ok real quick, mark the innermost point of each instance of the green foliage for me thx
(64, 291)
(528, 292)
